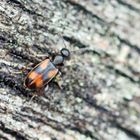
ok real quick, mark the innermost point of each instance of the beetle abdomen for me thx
(43, 73)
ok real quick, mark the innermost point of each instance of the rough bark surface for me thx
(100, 98)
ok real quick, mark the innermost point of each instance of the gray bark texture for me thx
(100, 95)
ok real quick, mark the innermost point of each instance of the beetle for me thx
(44, 72)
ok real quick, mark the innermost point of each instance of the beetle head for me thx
(65, 53)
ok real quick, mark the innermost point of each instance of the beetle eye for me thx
(65, 52)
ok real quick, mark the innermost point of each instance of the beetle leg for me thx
(34, 95)
(22, 69)
(40, 92)
(31, 99)
(18, 72)
(45, 90)
(58, 80)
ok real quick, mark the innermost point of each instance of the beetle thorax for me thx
(58, 60)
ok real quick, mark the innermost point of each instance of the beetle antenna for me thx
(65, 46)
(64, 42)
(87, 48)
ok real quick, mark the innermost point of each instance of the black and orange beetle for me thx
(40, 76)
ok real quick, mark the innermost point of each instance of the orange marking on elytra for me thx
(39, 81)
(44, 64)
(52, 73)
(33, 75)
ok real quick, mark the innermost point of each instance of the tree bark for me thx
(100, 98)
